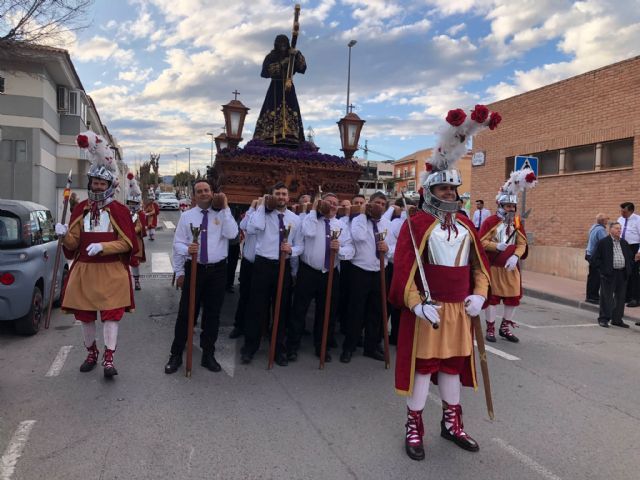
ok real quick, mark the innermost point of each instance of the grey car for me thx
(27, 253)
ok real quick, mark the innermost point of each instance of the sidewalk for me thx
(565, 291)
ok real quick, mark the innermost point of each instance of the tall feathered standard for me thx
(518, 182)
(100, 154)
(134, 188)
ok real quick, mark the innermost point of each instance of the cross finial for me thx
(236, 93)
(351, 107)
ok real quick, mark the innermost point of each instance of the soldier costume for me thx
(151, 212)
(101, 240)
(505, 241)
(435, 340)
(134, 197)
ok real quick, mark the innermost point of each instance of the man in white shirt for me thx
(311, 283)
(246, 272)
(630, 223)
(364, 302)
(480, 214)
(216, 229)
(270, 228)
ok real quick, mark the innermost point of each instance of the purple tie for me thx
(281, 226)
(625, 227)
(479, 218)
(375, 228)
(327, 244)
(204, 254)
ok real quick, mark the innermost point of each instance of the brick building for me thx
(583, 131)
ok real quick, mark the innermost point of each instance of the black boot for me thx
(491, 332)
(92, 359)
(107, 363)
(505, 331)
(415, 431)
(452, 414)
(209, 361)
(175, 360)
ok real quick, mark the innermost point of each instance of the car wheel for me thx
(65, 274)
(30, 323)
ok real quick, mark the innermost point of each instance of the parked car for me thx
(28, 246)
(168, 200)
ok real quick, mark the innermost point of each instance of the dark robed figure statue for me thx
(280, 122)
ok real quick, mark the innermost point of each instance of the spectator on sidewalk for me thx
(480, 214)
(630, 224)
(614, 259)
(596, 233)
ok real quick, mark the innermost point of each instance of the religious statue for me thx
(280, 122)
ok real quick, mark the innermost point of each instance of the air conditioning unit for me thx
(63, 98)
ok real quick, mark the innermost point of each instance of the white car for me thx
(167, 200)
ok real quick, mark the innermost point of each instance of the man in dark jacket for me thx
(614, 259)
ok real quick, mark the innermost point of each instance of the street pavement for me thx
(565, 397)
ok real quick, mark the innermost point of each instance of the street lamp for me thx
(234, 115)
(211, 135)
(350, 127)
(350, 45)
(189, 148)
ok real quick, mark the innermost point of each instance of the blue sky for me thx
(159, 70)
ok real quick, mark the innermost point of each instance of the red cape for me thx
(499, 258)
(405, 266)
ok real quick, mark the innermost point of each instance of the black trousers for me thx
(311, 284)
(210, 295)
(612, 293)
(343, 302)
(246, 272)
(365, 310)
(232, 263)
(593, 281)
(633, 283)
(264, 285)
(393, 311)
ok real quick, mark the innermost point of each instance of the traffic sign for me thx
(523, 162)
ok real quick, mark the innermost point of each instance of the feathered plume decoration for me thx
(518, 182)
(452, 144)
(134, 188)
(99, 152)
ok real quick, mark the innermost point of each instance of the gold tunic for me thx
(504, 283)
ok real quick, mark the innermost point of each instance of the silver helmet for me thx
(103, 165)
(443, 177)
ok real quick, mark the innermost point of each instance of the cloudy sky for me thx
(159, 70)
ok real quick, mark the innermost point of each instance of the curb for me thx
(550, 297)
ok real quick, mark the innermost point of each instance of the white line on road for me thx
(161, 263)
(58, 362)
(558, 326)
(168, 224)
(14, 449)
(500, 353)
(528, 461)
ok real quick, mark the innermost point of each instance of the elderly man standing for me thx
(630, 225)
(614, 259)
(596, 233)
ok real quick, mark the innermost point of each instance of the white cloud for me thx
(454, 30)
(99, 49)
(135, 75)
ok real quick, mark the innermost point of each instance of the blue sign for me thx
(527, 162)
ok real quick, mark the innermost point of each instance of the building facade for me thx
(377, 176)
(583, 131)
(43, 107)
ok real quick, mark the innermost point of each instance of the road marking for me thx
(161, 263)
(168, 224)
(58, 362)
(528, 461)
(559, 326)
(14, 449)
(500, 353)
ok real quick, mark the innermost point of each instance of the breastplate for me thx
(104, 225)
(501, 234)
(449, 250)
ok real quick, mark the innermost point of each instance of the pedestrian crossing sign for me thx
(523, 162)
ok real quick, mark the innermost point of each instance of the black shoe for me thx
(110, 371)
(463, 441)
(620, 324)
(175, 360)
(603, 323)
(375, 354)
(414, 453)
(637, 324)
(281, 359)
(345, 356)
(245, 358)
(209, 362)
(633, 304)
(327, 355)
(292, 356)
(235, 333)
(594, 301)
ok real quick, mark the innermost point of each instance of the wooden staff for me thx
(54, 281)
(335, 234)
(195, 231)
(276, 314)
(380, 236)
(483, 364)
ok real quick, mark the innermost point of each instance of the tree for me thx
(183, 179)
(40, 21)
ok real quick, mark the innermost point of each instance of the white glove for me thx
(94, 249)
(512, 263)
(428, 312)
(61, 229)
(473, 304)
(501, 247)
